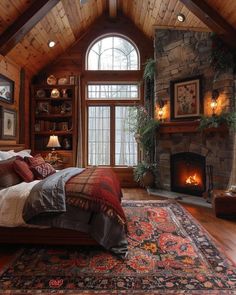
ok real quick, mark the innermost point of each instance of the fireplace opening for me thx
(188, 173)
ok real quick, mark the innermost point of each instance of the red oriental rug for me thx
(169, 253)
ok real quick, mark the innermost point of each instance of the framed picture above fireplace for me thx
(186, 98)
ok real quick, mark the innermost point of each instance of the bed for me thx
(84, 222)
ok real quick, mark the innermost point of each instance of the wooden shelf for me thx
(52, 116)
(48, 150)
(189, 127)
(53, 132)
(47, 86)
(179, 127)
(53, 99)
(46, 118)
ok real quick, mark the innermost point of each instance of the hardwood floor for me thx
(223, 230)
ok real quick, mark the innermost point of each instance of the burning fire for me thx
(192, 180)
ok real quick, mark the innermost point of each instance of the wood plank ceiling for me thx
(227, 10)
(69, 19)
(148, 14)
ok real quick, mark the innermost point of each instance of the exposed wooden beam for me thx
(25, 22)
(113, 8)
(182, 28)
(212, 19)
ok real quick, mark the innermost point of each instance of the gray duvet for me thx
(46, 205)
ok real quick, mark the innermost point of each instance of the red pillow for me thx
(23, 170)
(39, 167)
(8, 176)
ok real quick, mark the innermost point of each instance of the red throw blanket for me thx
(96, 189)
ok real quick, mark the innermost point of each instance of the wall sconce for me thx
(214, 98)
(160, 112)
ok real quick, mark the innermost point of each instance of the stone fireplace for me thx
(211, 149)
(188, 173)
(181, 54)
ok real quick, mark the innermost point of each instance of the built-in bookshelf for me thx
(53, 112)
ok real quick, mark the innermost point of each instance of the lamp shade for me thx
(53, 142)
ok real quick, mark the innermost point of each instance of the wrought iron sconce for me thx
(214, 103)
(160, 112)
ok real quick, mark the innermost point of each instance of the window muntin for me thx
(113, 92)
(126, 151)
(113, 53)
(98, 135)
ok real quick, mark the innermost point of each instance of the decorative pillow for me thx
(39, 167)
(23, 170)
(8, 176)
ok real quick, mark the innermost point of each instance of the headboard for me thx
(15, 147)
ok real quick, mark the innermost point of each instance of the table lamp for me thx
(53, 142)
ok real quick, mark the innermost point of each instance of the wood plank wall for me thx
(11, 70)
(73, 63)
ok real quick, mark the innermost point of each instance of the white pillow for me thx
(24, 153)
(6, 155)
(11, 153)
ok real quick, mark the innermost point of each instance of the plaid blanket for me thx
(96, 189)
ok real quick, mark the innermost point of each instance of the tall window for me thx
(110, 141)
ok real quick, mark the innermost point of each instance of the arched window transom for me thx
(113, 53)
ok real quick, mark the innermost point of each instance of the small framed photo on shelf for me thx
(37, 127)
(72, 80)
(186, 98)
(8, 123)
(6, 89)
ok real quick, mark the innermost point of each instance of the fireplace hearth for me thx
(188, 173)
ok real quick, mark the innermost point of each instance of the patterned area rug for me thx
(169, 253)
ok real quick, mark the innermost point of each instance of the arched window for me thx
(113, 53)
(110, 140)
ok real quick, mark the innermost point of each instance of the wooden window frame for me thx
(109, 77)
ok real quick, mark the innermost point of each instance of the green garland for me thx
(224, 119)
(143, 125)
(150, 69)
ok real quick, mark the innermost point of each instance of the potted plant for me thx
(144, 174)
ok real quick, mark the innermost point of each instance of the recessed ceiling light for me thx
(181, 17)
(51, 44)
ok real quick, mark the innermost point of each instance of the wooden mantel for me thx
(179, 127)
